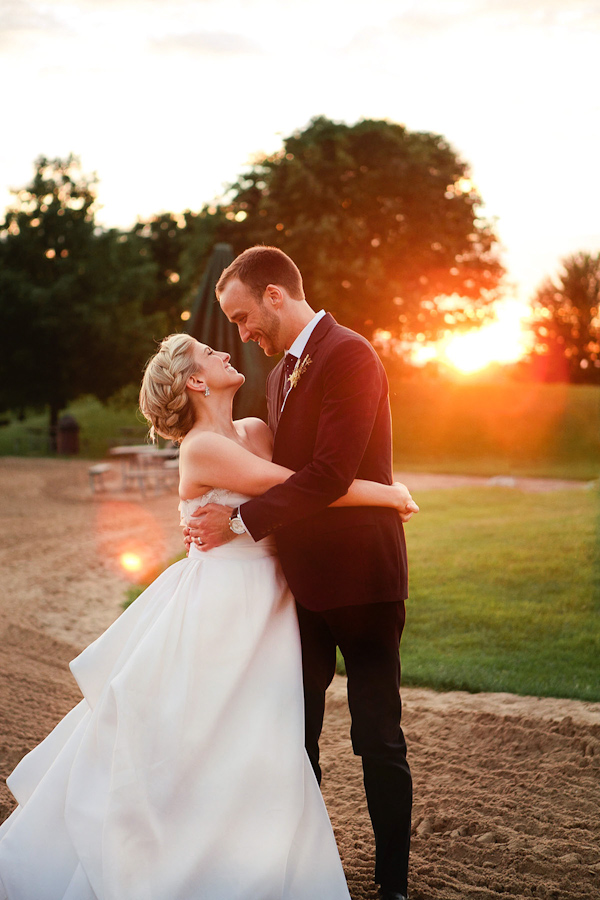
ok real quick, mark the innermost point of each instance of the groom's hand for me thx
(209, 527)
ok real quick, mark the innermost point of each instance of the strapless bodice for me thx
(242, 545)
(222, 496)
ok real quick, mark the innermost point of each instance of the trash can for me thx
(67, 438)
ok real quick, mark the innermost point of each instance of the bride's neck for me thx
(215, 413)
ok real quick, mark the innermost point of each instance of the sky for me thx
(168, 102)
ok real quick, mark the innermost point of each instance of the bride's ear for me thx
(196, 383)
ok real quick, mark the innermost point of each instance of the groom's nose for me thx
(244, 333)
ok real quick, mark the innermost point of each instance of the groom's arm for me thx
(354, 387)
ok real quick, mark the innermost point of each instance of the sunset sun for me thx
(506, 339)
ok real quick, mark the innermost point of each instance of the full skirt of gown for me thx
(182, 773)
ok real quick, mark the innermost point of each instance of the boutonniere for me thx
(299, 369)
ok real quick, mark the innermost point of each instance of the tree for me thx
(383, 223)
(71, 296)
(567, 322)
(164, 238)
(179, 247)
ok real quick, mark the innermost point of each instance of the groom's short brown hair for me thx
(260, 266)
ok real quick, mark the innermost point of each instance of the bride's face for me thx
(215, 369)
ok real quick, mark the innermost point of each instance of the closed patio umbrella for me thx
(208, 324)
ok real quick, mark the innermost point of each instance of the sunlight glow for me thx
(423, 354)
(503, 340)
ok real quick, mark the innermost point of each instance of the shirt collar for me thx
(297, 348)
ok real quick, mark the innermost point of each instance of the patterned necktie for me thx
(290, 364)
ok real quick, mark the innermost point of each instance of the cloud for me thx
(543, 13)
(423, 23)
(18, 16)
(220, 43)
(433, 19)
(100, 6)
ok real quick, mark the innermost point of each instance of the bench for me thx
(167, 475)
(97, 474)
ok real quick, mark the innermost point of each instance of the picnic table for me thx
(145, 466)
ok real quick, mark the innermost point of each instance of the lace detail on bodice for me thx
(222, 496)
(243, 546)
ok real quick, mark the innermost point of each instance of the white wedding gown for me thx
(182, 773)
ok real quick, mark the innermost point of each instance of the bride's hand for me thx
(187, 540)
(403, 501)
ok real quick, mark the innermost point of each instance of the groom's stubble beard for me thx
(270, 327)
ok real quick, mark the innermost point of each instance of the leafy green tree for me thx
(179, 246)
(164, 237)
(71, 296)
(567, 322)
(383, 223)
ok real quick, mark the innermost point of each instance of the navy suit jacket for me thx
(335, 427)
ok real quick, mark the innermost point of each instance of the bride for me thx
(181, 774)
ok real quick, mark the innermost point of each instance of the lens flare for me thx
(131, 562)
(130, 540)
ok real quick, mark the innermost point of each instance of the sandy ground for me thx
(507, 789)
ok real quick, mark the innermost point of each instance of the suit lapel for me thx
(322, 328)
(320, 331)
(274, 394)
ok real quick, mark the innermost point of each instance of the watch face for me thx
(236, 525)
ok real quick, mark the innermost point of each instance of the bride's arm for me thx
(212, 459)
(373, 493)
(360, 492)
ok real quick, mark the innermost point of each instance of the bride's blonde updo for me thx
(163, 397)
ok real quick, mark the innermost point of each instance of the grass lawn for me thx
(505, 593)
(540, 430)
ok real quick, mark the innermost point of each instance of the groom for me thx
(329, 411)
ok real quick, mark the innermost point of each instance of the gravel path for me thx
(426, 481)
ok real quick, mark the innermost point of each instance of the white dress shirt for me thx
(299, 345)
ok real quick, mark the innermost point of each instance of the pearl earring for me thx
(207, 391)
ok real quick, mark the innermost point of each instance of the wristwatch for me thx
(235, 522)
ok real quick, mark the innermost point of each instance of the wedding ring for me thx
(197, 541)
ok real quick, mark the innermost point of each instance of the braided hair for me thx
(163, 397)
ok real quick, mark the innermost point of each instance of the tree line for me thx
(384, 224)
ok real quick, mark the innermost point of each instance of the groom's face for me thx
(256, 320)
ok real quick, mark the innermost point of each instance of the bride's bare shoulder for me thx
(257, 434)
(201, 458)
(202, 442)
(254, 427)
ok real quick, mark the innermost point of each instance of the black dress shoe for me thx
(391, 895)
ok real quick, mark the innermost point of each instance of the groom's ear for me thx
(273, 295)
